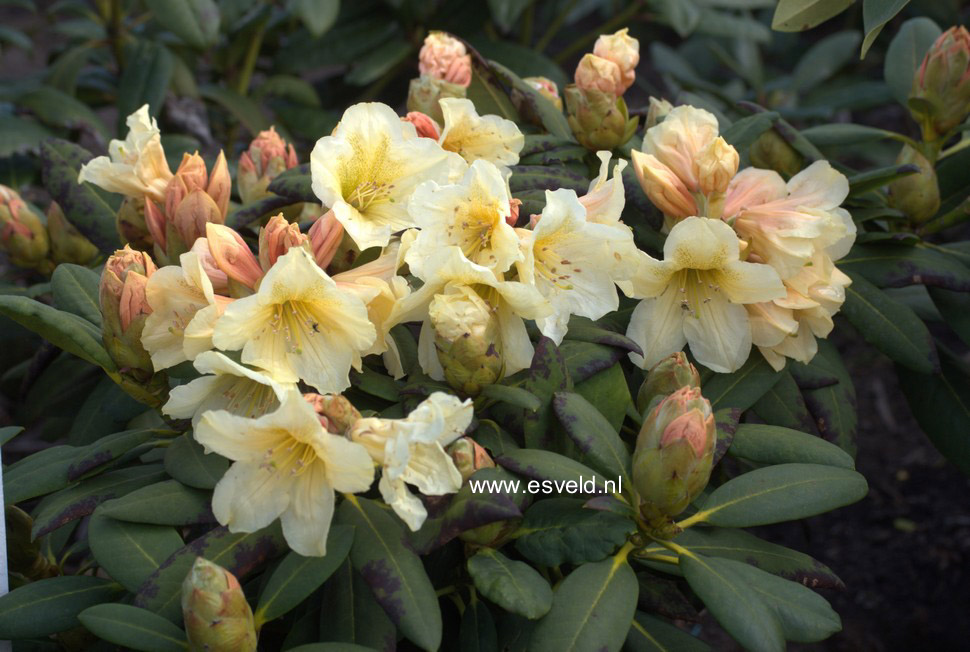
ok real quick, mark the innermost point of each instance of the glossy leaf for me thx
(145, 79)
(600, 444)
(513, 585)
(59, 599)
(875, 15)
(800, 15)
(896, 266)
(776, 445)
(549, 467)
(130, 552)
(62, 329)
(133, 628)
(905, 53)
(784, 405)
(187, 462)
(744, 387)
(557, 531)
(75, 291)
(352, 615)
(165, 503)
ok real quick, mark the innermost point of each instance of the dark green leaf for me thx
(800, 15)
(608, 392)
(742, 133)
(373, 65)
(166, 503)
(844, 133)
(318, 16)
(58, 109)
(941, 405)
(294, 184)
(776, 445)
(51, 605)
(21, 135)
(832, 404)
(593, 434)
(889, 265)
(553, 469)
(187, 462)
(744, 387)
(107, 409)
(516, 396)
(196, 22)
(145, 79)
(243, 109)
(875, 15)
(823, 59)
(558, 531)
(783, 405)
(133, 628)
(864, 182)
(62, 329)
(130, 552)
(477, 631)
(651, 634)
(552, 118)
(351, 614)
(954, 307)
(905, 53)
(513, 585)
(75, 291)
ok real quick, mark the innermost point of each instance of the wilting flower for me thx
(674, 453)
(475, 137)
(214, 608)
(623, 50)
(940, 97)
(184, 309)
(286, 466)
(268, 156)
(22, 234)
(411, 451)
(228, 386)
(298, 325)
(444, 57)
(696, 295)
(193, 198)
(569, 261)
(368, 167)
(786, 223)
(471, 214)
(136, 166)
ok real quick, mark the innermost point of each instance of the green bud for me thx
(425, 91)
(917, 195)
(940, 97)
(469, 457)
(130, 222)
(68, 245)
(466, 339)
(23, 234)
(214, 608)
(772, 152)
(23, 553)
(674, 453)
(599, 120)
(666, 377)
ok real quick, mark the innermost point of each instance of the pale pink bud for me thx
(444, 57)
(325, 237)
(276, 238)
(596, 73)
(691, 427)
(220, 185)
(232, 255)
(623, 50)
(423, 124)
(192, 215)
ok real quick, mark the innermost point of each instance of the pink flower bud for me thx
(423, 124)
(513, 216)
(122, 289)
(220, 185)
(232, 255)
(325, 237)
(276, 238)
(268, 156)
(623, 50)
(469, 457)
(596, 73)
(444, 57)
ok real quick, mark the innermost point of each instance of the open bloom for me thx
(184, 308)
(368, 167)
(569, 261)
(287, 466)
(786, 223)
(411, 451)
(228, 386)
(298, 325)
(696, 296)
(470, 214)
(135, 166)
(475, 137)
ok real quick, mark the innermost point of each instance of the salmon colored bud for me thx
(547, 88)
(444, 57)
(665, 378)
(268, 156)
(124, 308)
(690, 427)
(940, 97)
(623, 50)
(469, 457)
(716, 166)
(596, 73)
(513, 217)
(423, 124)
(220, 185)
(22, 233)
(335, 412)
(665, 189)
(191, 175)
(214, 608)
(326, 235)
(276, 238)
(232, 255)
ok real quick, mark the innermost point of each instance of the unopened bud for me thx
(276, 238)
(772, 152)
(326, 234)
(131, 224)
(514, 206)
(674, 453)
(547, 89)
(469, 457)
(423, 124)
(666, 377)
(598, 120)
(335, 412)
(444, 57)
(232, 256)
(623, 50)
(68, 245)
(22, 233)
(466, 333)
(657, 111)
(663, 187)
(599, 74)
(940, 97)
(716, 166)
(267, 157)
(214, 608)
(424, 93)
(917, 195)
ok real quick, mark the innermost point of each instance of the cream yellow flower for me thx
(368, 167)
(286, 466)
(475, 137)
(184, 307)
(298, 325)
(696, 296)
(470, 214)
(787, 223)
(135, 166)
(570, 261)
(411, 451)
(229, 386)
